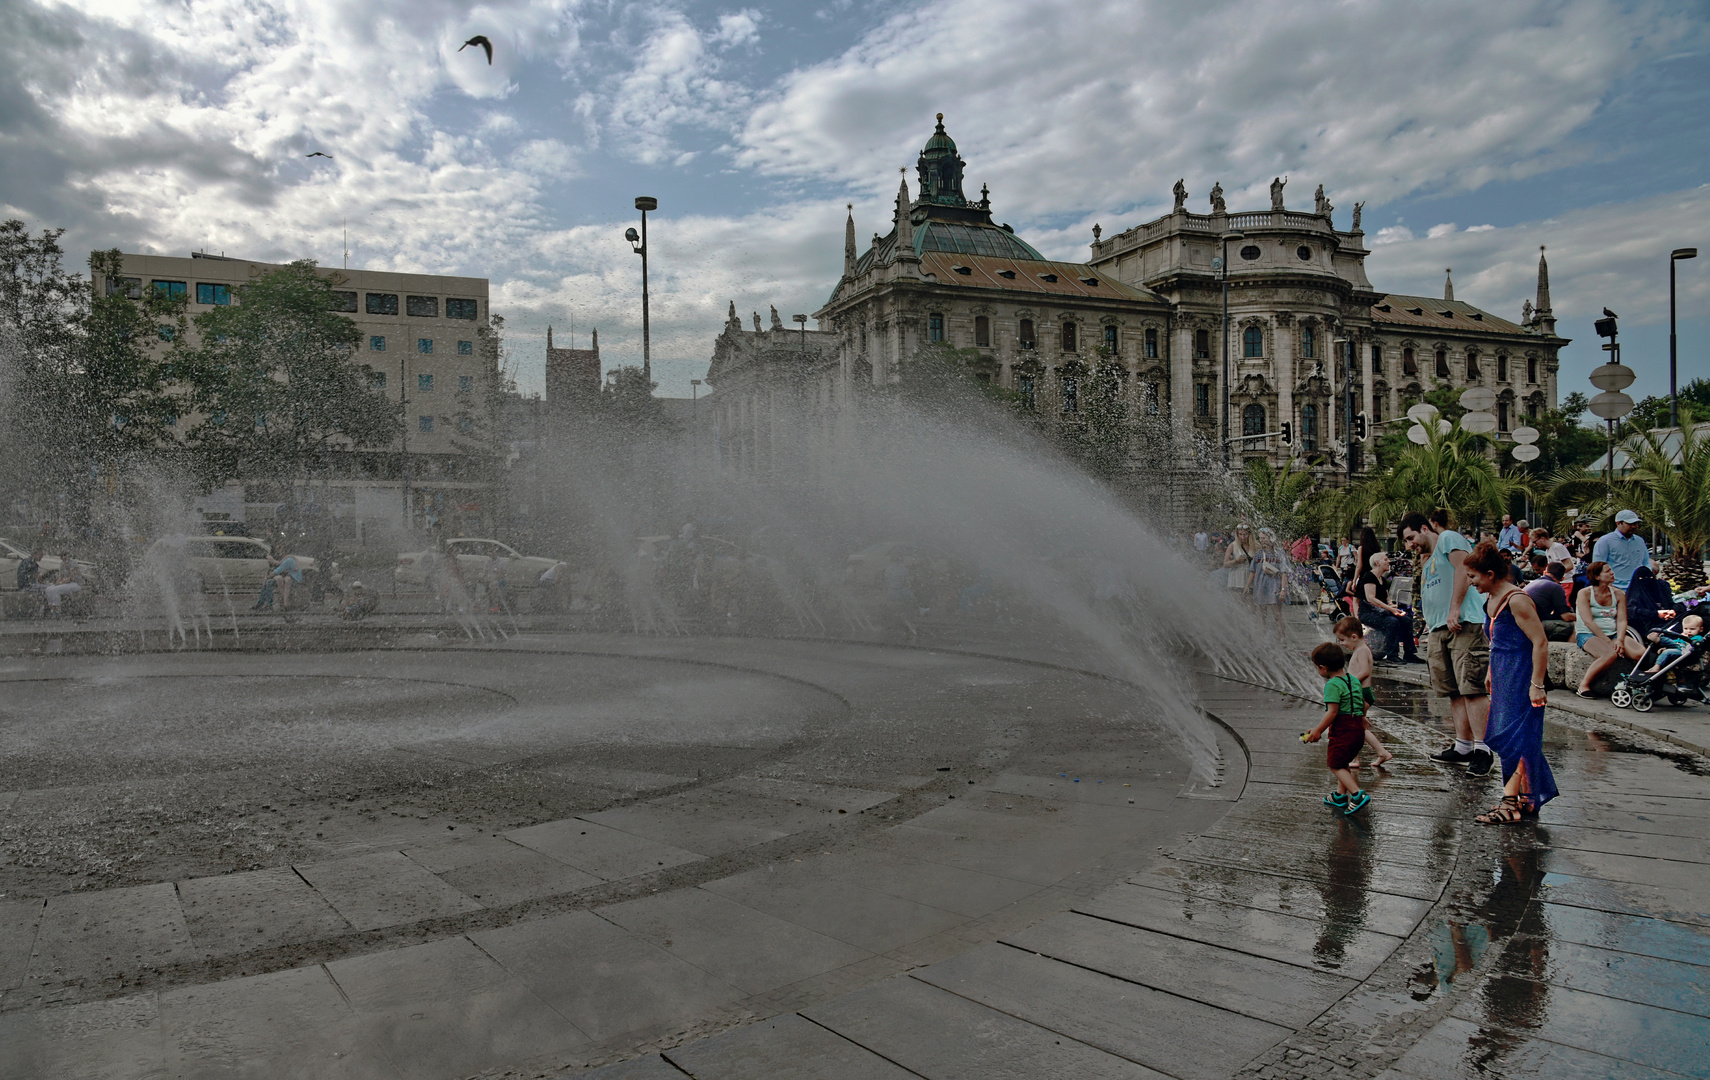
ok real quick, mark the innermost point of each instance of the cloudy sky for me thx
(1474, 131)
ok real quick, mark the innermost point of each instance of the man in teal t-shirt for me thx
(1457, 650)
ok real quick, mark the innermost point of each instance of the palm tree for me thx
(1450, 470)
(1283, 498)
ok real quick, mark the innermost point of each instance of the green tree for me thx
(1284, 498)
(275, 382)
(1652, 412)
(1450, 470)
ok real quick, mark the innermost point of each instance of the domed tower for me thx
(940, 170)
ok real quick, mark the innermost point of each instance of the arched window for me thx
(1442, 363)
(1071, 394)
(1409, 366)
(982, 330)
(1308, 342)
(1472, 364)
(1252, 342)
(1501, 368)
(1026, 333)
(1531, 369)
(1068, 341)
(1309, 427)
(1110, 339)
(1502, 416)
(1253, 420)
(935, 327)
(1201, 344)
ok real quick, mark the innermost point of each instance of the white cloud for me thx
(1436, 232)
(674, 85)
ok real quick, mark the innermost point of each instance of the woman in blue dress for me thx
(1519, 655)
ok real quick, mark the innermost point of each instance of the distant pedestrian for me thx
(1238, 558)
(1519, 657)
(30, 571)
(1457, 650)
(1623, 548)
(1268, 575)
(68, 581)
(1352, 637)
(1344, 718)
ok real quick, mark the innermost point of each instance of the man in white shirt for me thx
(1623, 549)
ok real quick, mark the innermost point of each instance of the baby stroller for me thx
(1333, 593)
(1681, 681)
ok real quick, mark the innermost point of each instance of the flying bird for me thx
(317, 153)
(481, 40)
(1611, 314)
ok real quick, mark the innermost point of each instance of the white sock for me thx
(1479, 745)
(1462, 746)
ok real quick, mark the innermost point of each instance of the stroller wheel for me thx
(1621, 697)
(1642, 700)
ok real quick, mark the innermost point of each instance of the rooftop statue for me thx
(1181, 195)
(1218, 206)
(1277, 184)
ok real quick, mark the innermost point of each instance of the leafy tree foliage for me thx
(1450, 470)
(1652, 412)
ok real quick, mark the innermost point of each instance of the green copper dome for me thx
(941, 139)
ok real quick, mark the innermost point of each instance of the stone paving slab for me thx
(257, 909)
(602, 978)
(874, 922)
(703, 834)
(1381, 913)
(1629, 898)
(18, 922)
(941, 1036)
(1161, 1030)
(1613, 841)
(737, 944)
(497, 873)
(119, 1038)
(949, 888)
(448, 1009)
(98, 935)
(1338, 944)
(287, 1024)
(1644, 936)
(1659, 1038)
(598, 849)
(651, 1067)
(1460, 1050)
(785, 1047)
(383, 889)
(1664, 982)
(1284, 994)
(822, 796)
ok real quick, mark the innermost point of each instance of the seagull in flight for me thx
(317, 153)
(481, 40)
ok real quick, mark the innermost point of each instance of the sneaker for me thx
(1336, 800)
(1480, 763)
(1448, 755)
(1356, 803)
(1413, 659)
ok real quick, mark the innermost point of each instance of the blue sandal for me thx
(1356, 802)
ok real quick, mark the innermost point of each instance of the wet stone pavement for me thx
(736, 925)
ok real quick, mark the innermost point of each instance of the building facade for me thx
(419, 332)
(1149, 302)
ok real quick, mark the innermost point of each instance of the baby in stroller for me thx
(1677, 673)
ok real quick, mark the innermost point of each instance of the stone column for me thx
(1178, 355)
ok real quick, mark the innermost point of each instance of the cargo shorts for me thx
(1459, 662)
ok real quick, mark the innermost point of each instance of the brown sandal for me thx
(1507, 812)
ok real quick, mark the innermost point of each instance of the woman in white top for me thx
(1602, 624)
(1238, 558)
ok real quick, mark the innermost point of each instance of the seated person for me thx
(1691, 633)
(358, 603)
(1552, 603)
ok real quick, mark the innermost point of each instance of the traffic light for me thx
(1361, 429)
(1287, 433)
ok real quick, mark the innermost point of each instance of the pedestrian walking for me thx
(1344, 712)
(1352, 637)
(1268, 574)
(1519, 655)
(1457, 650)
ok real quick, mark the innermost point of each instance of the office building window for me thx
(376, 380)
(935, 327)
(1502, 416)
(1501, 368)
(1026, 333)
(174, 289)
(1253, 420)
(343, 301)
(382, 303)
(207, 293)
(128, 287)
(982, 331)
(1024, 387)
(421, 307)
(1472, 365)
(1110, 340)
(1252, 342)
(424, 423)
(1202, 344)
(1409, 366)
(166, 333)
(465, 383)
(1531, 369)
(1202, 399)
(1442, 364)
(460, 309)
(424, 346)
(377, 343)
(424, 383)
(465, 348)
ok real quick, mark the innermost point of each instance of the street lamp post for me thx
(1673, 343)
(1350, 403)
(1227, 238)
(404, 437)
(644, 203)
(1611, 378)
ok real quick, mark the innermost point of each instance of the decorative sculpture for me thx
(1181, 195)
(1277, 184)
(1357, 208)
(777, 323)
(1218, 206)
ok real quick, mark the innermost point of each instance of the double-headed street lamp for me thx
(1673, 345)
(644, 203)
(1223, 265)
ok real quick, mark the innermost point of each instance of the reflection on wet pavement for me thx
(1588, 953)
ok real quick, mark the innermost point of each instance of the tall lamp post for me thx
(1223, 265)
(1673, 343)
(644, 203)
(1351, 398)
(1611, 378)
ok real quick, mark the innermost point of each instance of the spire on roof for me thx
(1449, 284)
(596, 340)
(1544, 317)
(849, 253)
(549, 335)
(905, 230)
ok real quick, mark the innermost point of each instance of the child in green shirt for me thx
(1344, 717)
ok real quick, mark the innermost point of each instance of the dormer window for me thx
(963, 270)
(1446, 313)
(1010, 274)
(1048, 277)
(1477, 316)
(1090, 281)
(1383, 307)
(1416, 311)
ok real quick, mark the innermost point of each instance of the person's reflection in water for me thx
(1516, 995)
(1344, 893)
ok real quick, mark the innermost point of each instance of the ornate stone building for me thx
(1150, 302)
(764, 381)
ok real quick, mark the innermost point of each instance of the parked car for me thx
(472, 557)
(235, 563)
(11, 555)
